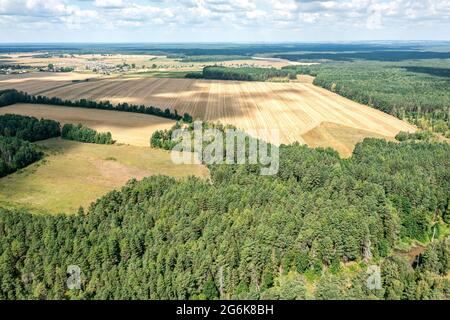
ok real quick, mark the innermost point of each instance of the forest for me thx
(16, 154)
(311, 231)
(380, 55)
(417, 91)
(8, 97)
(28, 128)
(246, 73)
(84, 134)
(17, 131)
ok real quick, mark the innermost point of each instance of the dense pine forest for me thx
(417, 91)
(309, 232)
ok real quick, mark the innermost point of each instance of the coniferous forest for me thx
(321, 220)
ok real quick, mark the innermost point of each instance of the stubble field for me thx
(77, 61)
(126, 127)
(299, 110)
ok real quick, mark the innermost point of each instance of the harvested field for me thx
(293, 108)
(125, 127)
(77, 61)
(74, 174)
(37, 83)
(341, 138)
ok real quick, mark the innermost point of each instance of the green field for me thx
(74, 174)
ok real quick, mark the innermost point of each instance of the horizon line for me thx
(222, 42)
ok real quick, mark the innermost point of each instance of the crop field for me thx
(125, 127)
(77, 61)
(293, 108)
(36, 83)
(74, 174)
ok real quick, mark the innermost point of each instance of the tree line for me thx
(11, 96)
(242, 74)
(309, 232)
(85, 134)
(418, 135)
(32, 129)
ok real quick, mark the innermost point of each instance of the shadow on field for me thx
(439, 72)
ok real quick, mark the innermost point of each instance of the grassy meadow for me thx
(75, 174)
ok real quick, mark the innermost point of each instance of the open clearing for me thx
(125, 127)
(294, 108)
(74, 174)
(342, 138)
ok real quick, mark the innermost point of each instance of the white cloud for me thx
(109, 3)
(256, 14)
(375, 20)
(225, 14)
(309, 17)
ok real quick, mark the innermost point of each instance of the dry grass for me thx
(293, 108)
(74, 174)
(341, 138)
(125, 127)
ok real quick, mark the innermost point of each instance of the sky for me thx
(222, 20)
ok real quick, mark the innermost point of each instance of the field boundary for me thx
(12, 96)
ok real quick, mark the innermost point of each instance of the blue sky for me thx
(222, 20)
